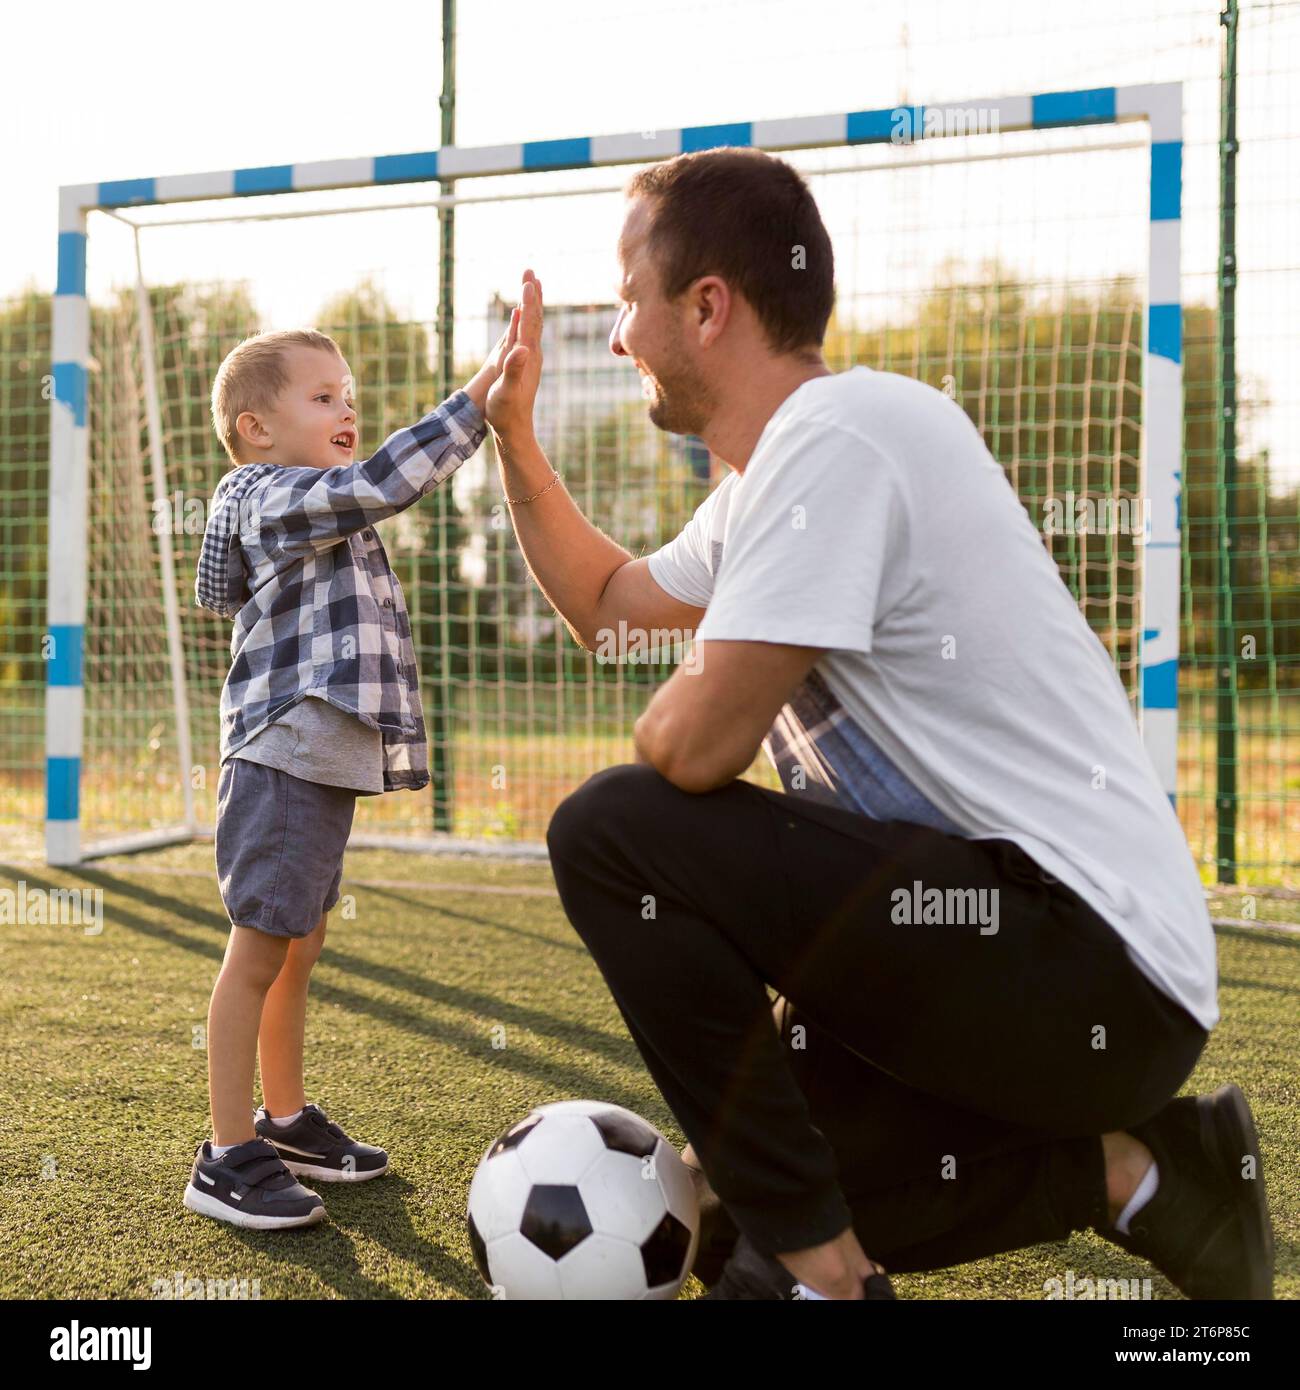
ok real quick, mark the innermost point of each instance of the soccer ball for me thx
(582, 1199)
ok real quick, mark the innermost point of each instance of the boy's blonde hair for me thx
(253, 375)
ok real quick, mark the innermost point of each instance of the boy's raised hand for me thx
(509, 408)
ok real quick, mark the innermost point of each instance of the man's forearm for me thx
(570, 560)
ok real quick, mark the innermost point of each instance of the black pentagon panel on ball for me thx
(479, 1250)
(555, 1219)
(515, 1135)
(625, 1134)
(664, 1252)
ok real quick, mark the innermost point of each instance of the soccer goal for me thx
(1021, 254)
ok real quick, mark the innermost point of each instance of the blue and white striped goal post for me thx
(1157, 104)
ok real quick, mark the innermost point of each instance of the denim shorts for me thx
(280, 844)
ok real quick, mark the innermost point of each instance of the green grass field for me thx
(103, 1091)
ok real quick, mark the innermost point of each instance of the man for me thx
(993, 954)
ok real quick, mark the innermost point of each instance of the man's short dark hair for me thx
(750, 218)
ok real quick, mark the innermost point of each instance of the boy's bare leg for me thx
(284, 1018)
(252, 963)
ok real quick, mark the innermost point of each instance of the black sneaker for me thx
(315, 1147)
(750, 1275)
(1207, 1228)
(250, 1186)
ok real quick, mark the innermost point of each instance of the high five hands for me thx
(505, 386)
(518, 358)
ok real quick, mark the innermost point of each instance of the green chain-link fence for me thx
(1040, 342)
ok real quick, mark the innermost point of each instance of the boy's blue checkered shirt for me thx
(292, 555)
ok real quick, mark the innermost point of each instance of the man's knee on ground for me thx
(617, 798)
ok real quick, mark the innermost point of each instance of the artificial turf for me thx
(103, 1082)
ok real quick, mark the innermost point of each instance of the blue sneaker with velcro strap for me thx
(313, 1146)
(250, 1186)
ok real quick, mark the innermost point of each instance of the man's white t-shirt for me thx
(961, 687)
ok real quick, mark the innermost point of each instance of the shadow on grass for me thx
(380, 1209)
(445, 911)
(475, 1043)
(1262, 936)
(114, 912)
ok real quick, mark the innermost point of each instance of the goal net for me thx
(1006, 267)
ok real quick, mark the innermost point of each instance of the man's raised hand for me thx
(510, 398)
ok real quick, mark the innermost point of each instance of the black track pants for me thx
(941, 1086)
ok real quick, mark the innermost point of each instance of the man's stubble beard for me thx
(682, 404)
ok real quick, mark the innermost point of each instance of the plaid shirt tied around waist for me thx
(291, 555)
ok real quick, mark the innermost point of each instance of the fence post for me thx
(440, 712)
(1226, 664)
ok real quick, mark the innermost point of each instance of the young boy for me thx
(321, 705)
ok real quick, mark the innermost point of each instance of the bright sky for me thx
(96, 91)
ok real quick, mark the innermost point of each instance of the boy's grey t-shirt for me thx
(960, 683)
(318, 742)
